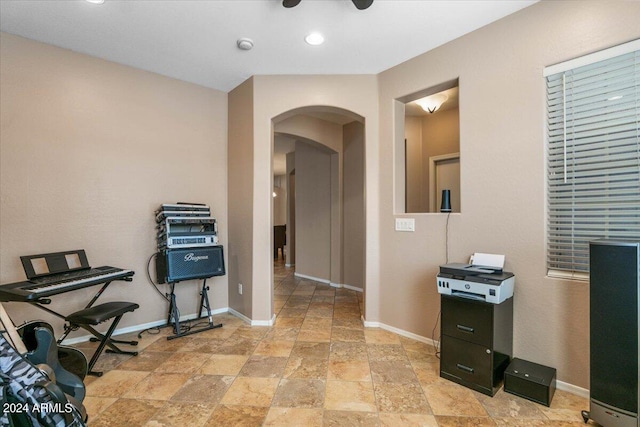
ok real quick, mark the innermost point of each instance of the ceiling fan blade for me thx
(362, 4)
(290, 3)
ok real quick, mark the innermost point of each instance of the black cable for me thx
(433, 333)
(154, 330)
(447, 239)
(151, 280)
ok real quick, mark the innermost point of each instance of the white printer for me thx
(477, 281)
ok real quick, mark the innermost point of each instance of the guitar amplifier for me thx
(175, 265)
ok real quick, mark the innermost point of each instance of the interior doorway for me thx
(323, 152)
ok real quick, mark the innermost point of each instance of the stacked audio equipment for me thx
(614, 333)
(187, 237)
(188, 247)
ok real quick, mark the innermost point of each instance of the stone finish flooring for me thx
(317, 366)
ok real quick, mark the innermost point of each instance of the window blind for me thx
(593, 158)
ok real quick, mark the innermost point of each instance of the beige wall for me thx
(502, 149)
(325, 135)
(291, 209)
(416, 186)
(273, 97)
(311, 128)
(354, 237)
(427, 136)
(88, 150)
(440, 135)
(241, 173)
(313, 212)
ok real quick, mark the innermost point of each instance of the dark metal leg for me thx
(103, 343)
(174, 314)
(585, 416)
(204, 303)
(115, 341)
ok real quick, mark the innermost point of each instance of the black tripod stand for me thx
(174, 314)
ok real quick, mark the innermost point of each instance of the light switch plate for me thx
(405, 224)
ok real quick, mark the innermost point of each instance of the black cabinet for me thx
(476, 342)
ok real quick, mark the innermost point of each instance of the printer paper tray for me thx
(468, 295)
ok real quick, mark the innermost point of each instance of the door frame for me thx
(433, 160)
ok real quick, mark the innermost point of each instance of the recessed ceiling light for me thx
(95, 1)
(314, 39)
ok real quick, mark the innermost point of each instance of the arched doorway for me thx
(326, 221)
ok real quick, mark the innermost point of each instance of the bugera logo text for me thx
(195, 258)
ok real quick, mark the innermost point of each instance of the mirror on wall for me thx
(431, 148)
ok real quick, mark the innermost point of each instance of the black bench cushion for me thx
(100, 312)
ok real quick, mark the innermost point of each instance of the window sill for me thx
(568, 275)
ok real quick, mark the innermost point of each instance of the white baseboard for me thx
(402, 332)
(253, 322)
(315, 279)
(352, 288)
(142, 327)
(239, 315)
(329, 282)
(573, 389)
(560, 385)
(264, 322)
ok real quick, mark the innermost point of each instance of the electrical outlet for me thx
(240, 288)
(405, 224)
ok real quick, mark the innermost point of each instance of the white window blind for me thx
(593, 157)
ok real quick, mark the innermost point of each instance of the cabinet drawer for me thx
(468, 320)
(469, 362)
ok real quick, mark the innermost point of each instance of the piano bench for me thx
(98, 314)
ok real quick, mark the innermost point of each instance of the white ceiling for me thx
(195, 40)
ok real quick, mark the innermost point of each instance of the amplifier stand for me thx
(174, 313)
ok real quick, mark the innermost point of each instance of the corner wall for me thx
(275, 95)
(89, 150)
(502, 146)
(241, 173)
(354, 236)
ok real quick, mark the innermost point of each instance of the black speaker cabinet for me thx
(614, 293)
(175, 265)
(531, 381)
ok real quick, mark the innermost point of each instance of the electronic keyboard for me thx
(35, 289)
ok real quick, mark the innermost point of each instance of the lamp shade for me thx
(445, 205)
(432, 103)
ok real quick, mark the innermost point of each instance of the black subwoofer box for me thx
(531, 381)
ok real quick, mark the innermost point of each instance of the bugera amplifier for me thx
(175, 265)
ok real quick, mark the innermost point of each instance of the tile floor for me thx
(317, 366)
